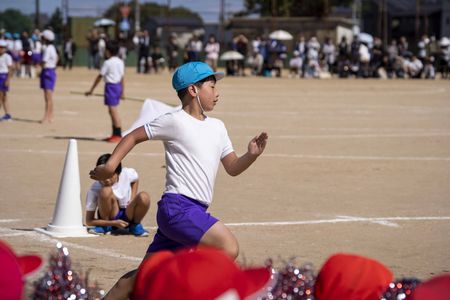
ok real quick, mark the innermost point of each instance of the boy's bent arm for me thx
(103, 172)
(235, 165)
(92, 221)
(96, 82)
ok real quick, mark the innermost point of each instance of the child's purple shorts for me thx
(3, 77)
(113, 91)
(121, 215)
(36, 58)
(182, 222)
(48, 79)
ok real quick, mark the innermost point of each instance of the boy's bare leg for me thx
(48, 116)
(4, 102)
(138, 207)
(220, 236)
(107, 204)
(124, 286)
(115, 117)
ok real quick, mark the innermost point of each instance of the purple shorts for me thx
(48, 79)
(113, 91)
(182, 222)
(36, 58)
(121, 215)
(3, 77)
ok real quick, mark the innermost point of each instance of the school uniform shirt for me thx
(121, 189)
(49, 56)
(212, 50)
(113, 70)
(193, 151)
(5, 62)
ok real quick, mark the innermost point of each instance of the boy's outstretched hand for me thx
(100, 173)
(257, 144)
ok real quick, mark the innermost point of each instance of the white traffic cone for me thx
(67, 218)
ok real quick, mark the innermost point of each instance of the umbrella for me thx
(231, 55)
(365, 38)
(281, 35)
(104, 23)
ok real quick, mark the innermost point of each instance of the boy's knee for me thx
(144, 198)
(105, 193)
(232, 249)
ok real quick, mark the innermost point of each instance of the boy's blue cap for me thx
(193, 72)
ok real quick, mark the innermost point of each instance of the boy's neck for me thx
(194, 110)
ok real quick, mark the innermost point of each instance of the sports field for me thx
(360, 166)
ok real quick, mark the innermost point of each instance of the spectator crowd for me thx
(363, 56)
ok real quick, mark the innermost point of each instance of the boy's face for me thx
(110, 181)
(209, 95)
(2, 50)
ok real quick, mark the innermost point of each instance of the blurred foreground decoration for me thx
(60, 281)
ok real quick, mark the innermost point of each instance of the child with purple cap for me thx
(194, 145)
(6, 66)
(112, 71)
(48, 73)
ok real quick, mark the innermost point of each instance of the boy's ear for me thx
(192, 89)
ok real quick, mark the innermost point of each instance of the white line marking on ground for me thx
(281, 155)
(381, 222)
(6, 232)
(364, 136)
(339, 220)
(291, 136)
(9, 220)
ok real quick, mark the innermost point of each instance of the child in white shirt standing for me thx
(48, 73)
(113, 70)
(6, 65)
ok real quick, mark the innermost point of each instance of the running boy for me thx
(48, 73)
(118, 203)
(6, 69)
(112, 71)
(194, 145)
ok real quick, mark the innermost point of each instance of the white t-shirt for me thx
(113, 70)
(212, 50)
(121, 189)
(49, 56)
(5, 62)
(193, 151)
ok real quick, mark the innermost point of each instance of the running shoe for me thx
(137, 230)
(113, 139)
(100, 230)
(6, 117)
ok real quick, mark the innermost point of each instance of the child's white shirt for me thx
(5, 62)
(49, 56)
(193, 151)
(113, 70)
(121, 189)
(37, 47)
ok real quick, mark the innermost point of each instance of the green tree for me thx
(14, 21)
(150, 9)
(292, 8)
(56, 22)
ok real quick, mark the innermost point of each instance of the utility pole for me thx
(417, 19)
(221, 22)
(385, 23)
(137, 16)
(37, 16)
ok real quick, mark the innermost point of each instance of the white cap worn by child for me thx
(48, 35)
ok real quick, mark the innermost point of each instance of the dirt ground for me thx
(360, 166)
